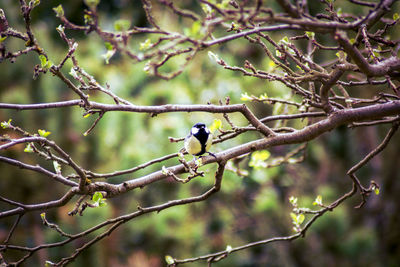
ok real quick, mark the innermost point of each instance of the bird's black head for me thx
(200, 129)
(199, 125)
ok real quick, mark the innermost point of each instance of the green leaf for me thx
(34, 3)
(60, 28)
(110, 52)
(293, 200)
(28, 148)
(245, 97)
(196, 26)
(46, 64)
(297, 219)
(122, 25)
(318, 200)
(57, 167)
(396, 16)
(199, 162)
(108, 55)
(258, 159)
(49, 264)
(43, 60)
(145, 45)
(271, 65)
(339, 12)
(293, 216)
(92, 4)
(207, 9)
(291, 51)
(234, 26)
(59, 11)
(97, 197)
(261, 155)
(341, 55)
(194, 31)
(224, 4)
(375, 53)
(285, 40)
(2, 38)
(49, 64)
(88, 19)
(102, 203)
(263, 97)
(376, 189)
(217, 125)
(6, 124)
(310, 35)
(43, 133)
(169, 259)
(300, 218)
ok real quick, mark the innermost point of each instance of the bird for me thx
(199, 140)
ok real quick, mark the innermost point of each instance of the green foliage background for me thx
(247, 208)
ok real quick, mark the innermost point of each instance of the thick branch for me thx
(381, 9)
(328, 108)
(308, 133)
(390, 66)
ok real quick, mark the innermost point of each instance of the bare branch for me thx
(42, 206)
(377, 150)
(297, 62)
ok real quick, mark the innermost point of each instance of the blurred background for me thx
(247, 209)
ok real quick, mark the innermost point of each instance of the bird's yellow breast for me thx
(192, 145)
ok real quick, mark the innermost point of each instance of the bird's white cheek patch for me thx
(195, 130)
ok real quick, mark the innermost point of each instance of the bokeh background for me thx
(247, 209)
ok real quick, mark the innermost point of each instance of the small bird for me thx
(199, 140)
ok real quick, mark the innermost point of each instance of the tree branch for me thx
(306, 134)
